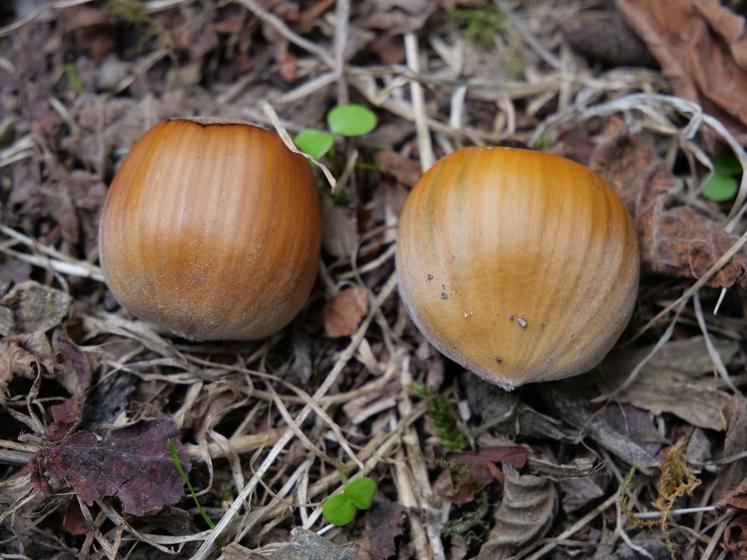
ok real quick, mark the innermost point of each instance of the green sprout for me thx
(357, 494)
(722, 185)
(443, 410)
(343, 120)
(180, 469)
(481, 24)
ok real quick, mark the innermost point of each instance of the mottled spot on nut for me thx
(510, 317)
(429, 277)
(468, 315)
(522, 321)
(444, 295)
(498, 359)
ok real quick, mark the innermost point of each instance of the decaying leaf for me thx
(731, 475)
(674, 240)
(672, 381)
(68, 414)
(132, 464)
(36, 307)
(384, 523)
(344, 311)
(710, 65)
(14, 360)
(737, 498)
(307, 545)
(735, 536)
(525, 514)
(626, 431)
(471, 471)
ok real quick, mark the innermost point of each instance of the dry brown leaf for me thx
(702, 49)
(674, 240)
(36, 307)
(734, 473)
(606, 36)
(384, 524)
(344, 311)
(525, 514)
(737, 498)
(672, 381)
(405, 170)
(339, 229)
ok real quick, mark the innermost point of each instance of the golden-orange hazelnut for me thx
(521, 266)
(212, 230)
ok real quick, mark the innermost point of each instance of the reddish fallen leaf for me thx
(674, 239)
(702, 49)
(288, 68)
(473, 470)
(344, 311)
(132, 464)
(384, 523)
(735, 536)
(67, 415)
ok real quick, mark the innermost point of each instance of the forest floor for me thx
(644, 457)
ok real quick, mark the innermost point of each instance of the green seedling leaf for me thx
(727, 164)
(338, 510)
(185, 478)
(314, 142)
(351, 120)
(720, 188)
(361, 492)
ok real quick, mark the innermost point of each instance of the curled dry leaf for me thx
(344, 311)
(404, 170)
(702, 49)
(675, 240)
(132, 463)
(526, 513)
(68, 414)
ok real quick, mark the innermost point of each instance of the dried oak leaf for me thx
(472, 471)
(132, 463)
(702, 49)
(384, 523)
(674, 239)
(344, 311)
(733, 474)
(526, 513)
(404, 170)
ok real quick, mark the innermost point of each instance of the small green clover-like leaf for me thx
(351, 120)
(727, 164)
(720, 188)
(361, 492)
(338, 510)
(314, 142)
